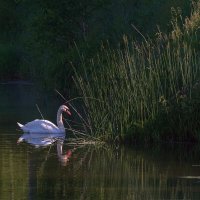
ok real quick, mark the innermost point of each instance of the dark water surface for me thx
(26, 172)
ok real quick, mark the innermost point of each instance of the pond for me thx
(86, 172)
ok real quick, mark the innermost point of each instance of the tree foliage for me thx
(40, 36)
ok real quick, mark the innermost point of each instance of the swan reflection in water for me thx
(46, 139)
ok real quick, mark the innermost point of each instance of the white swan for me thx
(45, 126)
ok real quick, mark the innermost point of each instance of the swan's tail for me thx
(20, 125)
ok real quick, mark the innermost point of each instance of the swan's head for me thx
(64, 108)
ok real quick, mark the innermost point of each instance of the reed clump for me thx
(146, 91)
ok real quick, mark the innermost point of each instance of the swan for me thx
(39, 126)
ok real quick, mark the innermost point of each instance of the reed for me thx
(143, 88)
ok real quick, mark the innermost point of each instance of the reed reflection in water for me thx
(62, 171)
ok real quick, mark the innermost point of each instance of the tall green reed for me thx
(137, 82)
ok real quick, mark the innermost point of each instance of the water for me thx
(86, 172)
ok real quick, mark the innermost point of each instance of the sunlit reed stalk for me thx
(39, 111)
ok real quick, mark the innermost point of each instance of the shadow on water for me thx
(58, 170)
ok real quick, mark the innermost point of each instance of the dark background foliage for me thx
(39, 39)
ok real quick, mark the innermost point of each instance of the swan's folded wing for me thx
(40, 126)
(49, 126)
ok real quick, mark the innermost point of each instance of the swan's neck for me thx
(60, 121)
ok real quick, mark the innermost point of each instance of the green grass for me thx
(147, 91)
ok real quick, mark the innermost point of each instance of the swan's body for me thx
(45, 126)
(40, 126)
